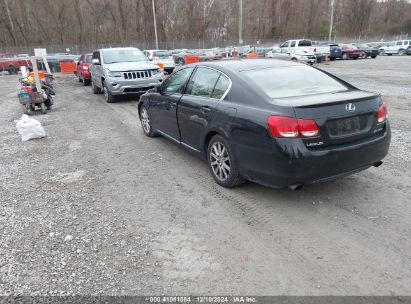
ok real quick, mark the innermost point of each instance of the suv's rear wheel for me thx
(107, 93)
(222, 164)
(401, 52)
(94, 88)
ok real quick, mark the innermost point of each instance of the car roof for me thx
(238, 65)
(120, 48)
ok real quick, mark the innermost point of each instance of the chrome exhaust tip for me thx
(295, 187)
(377, 164)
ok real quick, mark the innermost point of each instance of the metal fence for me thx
(183, 44)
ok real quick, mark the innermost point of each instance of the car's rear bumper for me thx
(290, 162)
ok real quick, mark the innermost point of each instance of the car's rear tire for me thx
(294, 59)
(222, 164)
(107, 93)
(401, 52)
(94, 88)
(180, 61)
(146, 123)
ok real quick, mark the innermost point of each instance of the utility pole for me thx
(10, 20)
(155, 24)
(240, 23)
(331, 21)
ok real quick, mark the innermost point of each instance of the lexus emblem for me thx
(350, 107)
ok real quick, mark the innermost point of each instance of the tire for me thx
(374, 56)
(79, 78)
(95, 89)
(294, 59)
(107, 93)
(146, 123)
(389, 54)
(345, 56)
(180, 61)
(332, 59)
(222, 164)
(43, 108)
(86, 82)
(401, 52)
(12, 70)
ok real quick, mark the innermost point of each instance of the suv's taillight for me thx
(290, 127)
(382, 113)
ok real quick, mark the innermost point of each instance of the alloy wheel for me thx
(145, 120)
(220, 161)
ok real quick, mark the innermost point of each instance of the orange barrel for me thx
(251, 56)
(68, 67)
(41, 75)
(160, 65)
(191, 59)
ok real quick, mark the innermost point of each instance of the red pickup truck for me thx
(12, 63)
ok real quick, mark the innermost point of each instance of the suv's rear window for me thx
(293, 81)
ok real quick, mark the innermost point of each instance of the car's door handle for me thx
(205, 109)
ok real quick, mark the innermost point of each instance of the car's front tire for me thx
(107, 93)
(222, 164)
(146, 122)
(94, 88)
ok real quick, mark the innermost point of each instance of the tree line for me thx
(83, 22)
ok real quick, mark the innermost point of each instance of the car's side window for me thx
(203, 82)
(406, 42)
(176, 82)
(221, 87)
(292, 44)
(399, 43)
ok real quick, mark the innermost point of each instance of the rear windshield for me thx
(123, 55)
(305, 43)
(293, 81)
(161, 54)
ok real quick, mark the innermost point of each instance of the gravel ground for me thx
(97, 208)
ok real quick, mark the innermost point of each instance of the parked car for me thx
(399, 47)
(293, 55)
(320, 51)
(204, 55)
(349, 51)
(335, 51)
(366, 50)
(260, 51)
(83, 69)
(54, 60)
(277, 123)
(12, 63)
(119, 71)
(161, 57)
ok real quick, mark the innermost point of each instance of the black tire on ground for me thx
(401, 52)
(389, 54)
(86, 82)
(332, 58)
(222, 164)
(146, 122)
(374, 56)
(12, 70)
(294, 59)
(95, 89)
(107, 93)
(180, 61)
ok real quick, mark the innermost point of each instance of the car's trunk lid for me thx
(341, 117)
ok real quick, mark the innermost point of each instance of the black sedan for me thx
(273, 122)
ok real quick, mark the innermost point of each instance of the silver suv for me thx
(119, 71)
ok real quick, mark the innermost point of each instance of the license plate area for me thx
(345, 126)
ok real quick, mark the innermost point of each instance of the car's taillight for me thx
(308, 127)
(290, 127)
(382, 113)
(85, 67)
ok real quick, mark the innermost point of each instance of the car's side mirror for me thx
(95, 61)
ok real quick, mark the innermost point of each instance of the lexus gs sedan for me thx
(274, 122)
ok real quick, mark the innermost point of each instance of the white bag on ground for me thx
(29, 128)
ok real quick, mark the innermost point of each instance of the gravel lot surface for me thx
(98, 208)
